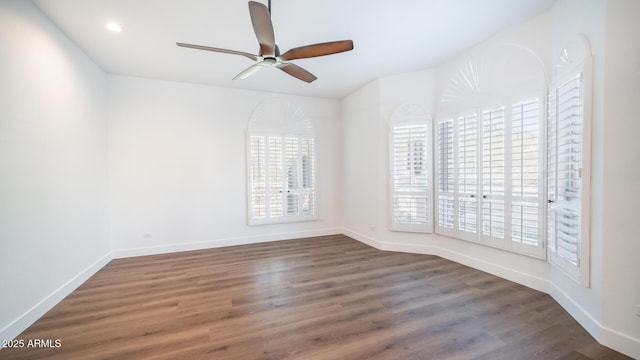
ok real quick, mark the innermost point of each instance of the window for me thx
(281, 165)
(489, 177)
(490, 150)
(568, 172)
(410, 169)
(282, 181)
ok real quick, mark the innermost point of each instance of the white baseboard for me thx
(30, 316)
(525, 279)
(621, 342)
(608, 337)
(200, 245)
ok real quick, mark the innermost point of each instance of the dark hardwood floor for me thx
(318, 298)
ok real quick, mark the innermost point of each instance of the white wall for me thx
(53, 168)
(621, 195)
(177, 166)
(360, 162)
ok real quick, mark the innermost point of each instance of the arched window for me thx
(489, 151)
(281, 183)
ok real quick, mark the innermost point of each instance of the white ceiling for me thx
(390, 37)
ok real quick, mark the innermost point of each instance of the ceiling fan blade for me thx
(321, 49)
(249, 71)
(297, 72)
(225, 51)
(261, 20)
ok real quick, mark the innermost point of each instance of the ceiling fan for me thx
(270, 54)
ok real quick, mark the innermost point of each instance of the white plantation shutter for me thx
(565, 175)
(258, 179)
(526, 167)
(275, 167)
(281, 179)
(489, 177)
(493, 169)
(446, 174)
(410, 177)
(308, 179)
(468, 173)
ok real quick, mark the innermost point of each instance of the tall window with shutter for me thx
(490, 151)
(410, 170)
(489, 177)
(282, 178)
(568, 164)
(281, 165)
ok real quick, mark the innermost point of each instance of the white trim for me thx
(576, 311)
(606, 336)
(620, 342)
(25, 320)
(210, 244)
(525, 279)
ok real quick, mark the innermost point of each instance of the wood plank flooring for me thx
(317, 298)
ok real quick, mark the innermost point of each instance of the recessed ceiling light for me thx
(113, 26)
